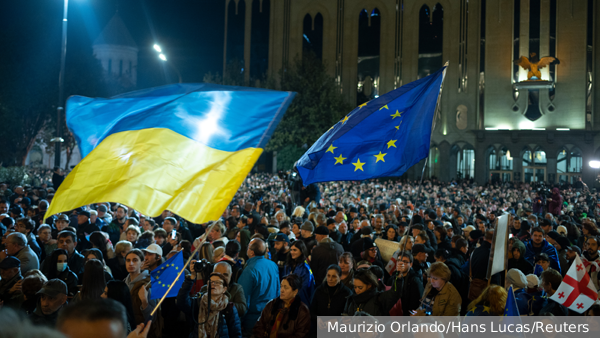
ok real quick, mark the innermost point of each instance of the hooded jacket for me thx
(555, 205)
(522, 264)
(308, 280)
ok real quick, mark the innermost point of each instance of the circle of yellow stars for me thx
(157, 276)
(358, 165)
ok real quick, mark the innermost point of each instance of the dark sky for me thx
(190, 32)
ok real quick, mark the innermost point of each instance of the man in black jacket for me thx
(408, 282)
(326, 253)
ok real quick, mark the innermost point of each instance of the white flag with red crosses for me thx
(576, 292)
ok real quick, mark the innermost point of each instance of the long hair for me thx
(93, 280)
(206, 251)
(99, 242)
(303, 254)
(493, 296)
(119, 291)
(53, 273)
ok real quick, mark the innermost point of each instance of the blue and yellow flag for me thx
(511, 308)
(162, 277)
(185, 147)
(381, 138)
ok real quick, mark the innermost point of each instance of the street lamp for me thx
(163, 57)
(61, 87)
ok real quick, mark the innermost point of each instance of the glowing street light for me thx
(157, 48)
(162, 57)
(595, 164)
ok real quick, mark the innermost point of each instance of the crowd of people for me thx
(283, 255)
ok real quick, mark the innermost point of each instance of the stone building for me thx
(492, 125)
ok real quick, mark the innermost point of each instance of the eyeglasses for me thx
(217, 282)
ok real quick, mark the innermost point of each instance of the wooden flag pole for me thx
(506, 247)
(183, 269)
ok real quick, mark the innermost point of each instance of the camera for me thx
(203, 267)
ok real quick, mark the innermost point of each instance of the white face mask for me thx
(61, 267)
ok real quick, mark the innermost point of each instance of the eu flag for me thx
(538, 270)
(163, 276)
(383, 137)
(511, 308)
(184, 147)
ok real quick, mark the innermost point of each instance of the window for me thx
(466, 164)
(369, 32)
(431, 34)
(312, 36)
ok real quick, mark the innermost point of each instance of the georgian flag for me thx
(576, 292)
(391, 265)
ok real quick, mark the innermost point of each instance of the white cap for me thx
(532, 281)
(155, 249)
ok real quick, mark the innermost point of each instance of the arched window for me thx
(312, 36)
(259, 49)
(539, 157)
(527, 160)
(431, 33)
(465, 164)
(534, 165)
(434, 155)
(500, 165)
(569, 164)
(369, 32)
(236, 23)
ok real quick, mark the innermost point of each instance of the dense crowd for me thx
(282, 255)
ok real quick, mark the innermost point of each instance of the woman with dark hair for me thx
(96, 254)
(58, 268)
(441, 235)
(232, 229)
(118, 290)
(100, 242)
(220, 319)
(296, 264)
(347, 265)
(286, 315)
(367, 298)
(93, 281)
(330, 296)
(391, 233)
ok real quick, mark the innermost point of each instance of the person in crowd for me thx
(407, 282)
(518, 260)
(491, 302)
(260, 282)
(218, 234)
(366, 296)
(29, 288)
(160, 237)
(115, 228)
(391, 233)
(555, 203)
(371, 253)
(591, 259)
(537, 245)
(440, 297)
(97, 254)
(59, 269)
(138, 281)
(152, 257)
(53, 296)
(67, 240)
(306, 233)
(296, 263)
(119, 291)
(16, 246)
(281, 245)
(93, 284)
(550, 281)
(219, 318)
(285, 315)
(330, 297)
(326, 253)
(45, 241)
(117, 265)
(11, 282)
(420, 263)
(26, 226)
(347, 263)
(99, 241)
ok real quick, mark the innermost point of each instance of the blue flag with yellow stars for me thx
(511, 308)
(381, 138)
(163, 276)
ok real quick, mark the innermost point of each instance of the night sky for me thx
(189, 31)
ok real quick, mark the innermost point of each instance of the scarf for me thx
(210, 328)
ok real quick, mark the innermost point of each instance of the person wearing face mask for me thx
(59, 269)
(329, 298)
(286, 315)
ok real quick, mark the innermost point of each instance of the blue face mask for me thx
(61, 267)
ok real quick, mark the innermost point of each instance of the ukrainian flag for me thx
(185, 147)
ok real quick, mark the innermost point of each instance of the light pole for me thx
(61, 87)
(163, 58)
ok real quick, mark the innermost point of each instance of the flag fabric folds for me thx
(381, 138)
(163, 276)
(511, 308)
(185, 147)
(577, 291)
(498, 254)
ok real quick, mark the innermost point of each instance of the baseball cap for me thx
(574, 248)
(10, 262)
(532, 281)
(308, 226)
(154, 248)
(562, 230)
(281, 237)
(53, 288)
(322, 230)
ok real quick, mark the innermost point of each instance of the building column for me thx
(247, 41)
(515, 153)
(551, 169)
(588, 174)
(444, 149)
(480, 169)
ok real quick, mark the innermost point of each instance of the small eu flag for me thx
(380, 138)
(511, 308)
(538, 270)
(163, 276)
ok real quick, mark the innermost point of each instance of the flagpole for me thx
(437, 104)
(506, 246)
(183, 269)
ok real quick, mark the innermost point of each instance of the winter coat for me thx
(329, 301)
(40, 319)
(308, 280)
(447, 302)
(295, 321)
(410, 288)
(260, 281)
(143, 315)
(547, 248)
(229, 325)
(373, 302)
(236, 296)
(323, 255)
(555, 205)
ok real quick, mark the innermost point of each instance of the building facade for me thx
(493, 125)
